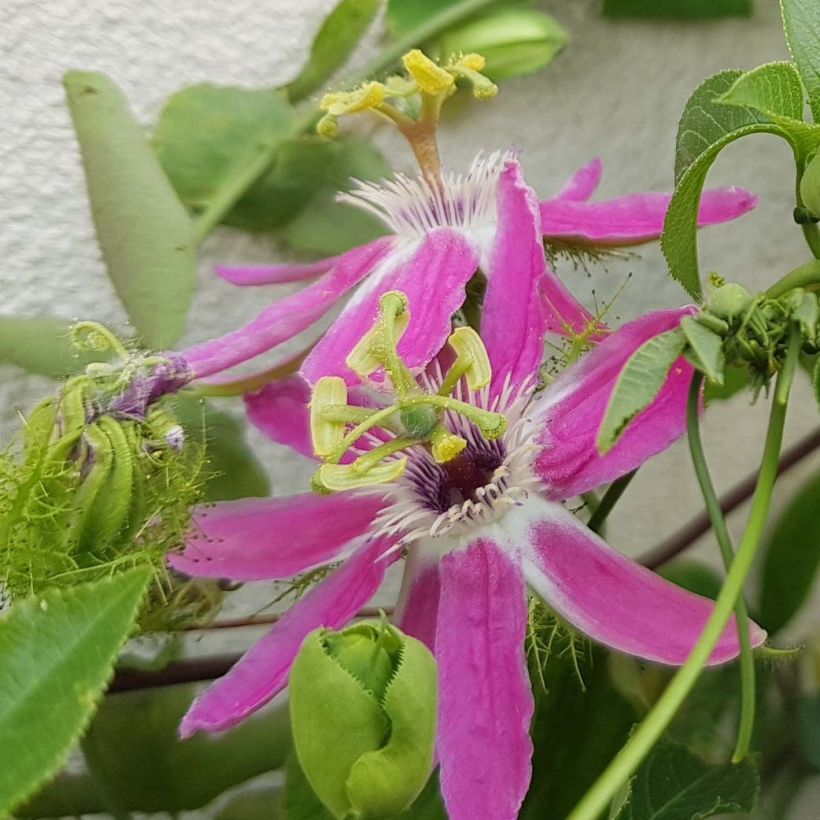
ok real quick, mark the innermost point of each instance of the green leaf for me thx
(735, 379)
(304, 172)
(42, 345)
(403, 16)
(801, 21)
(338, 36)
(808, 723)
(208, 136)
(815, 381)
(232, 469)
(705, 349)
(58, 652)
(514, 41)
(674, 784)
(136, 756)
(677, 9)
(773, 89)
(792, 556)
(693, 575)
(706, 127)
(639, 382)
(145, 234)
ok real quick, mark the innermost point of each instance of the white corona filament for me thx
(410, 207)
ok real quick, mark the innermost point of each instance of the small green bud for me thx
(729, 301)
(363, 711)
(810, 192)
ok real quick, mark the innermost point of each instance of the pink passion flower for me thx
(439, 236)
(476, 533)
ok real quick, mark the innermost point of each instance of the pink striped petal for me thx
(485, 699)
(263, 670)
(433, 276)
(615, 600)
(584, 182)
(572, 408)
(263, 538)
(514, 318)
(636, 218)
(280, 411)
(289, 316)
(277, 274)
(417, 612)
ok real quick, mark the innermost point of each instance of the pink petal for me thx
(584, 182)
(277, 274)
(280, 411)
(289, 316)
(433, 278)
(417, 612)
(636, 218)
(485, 699)
(263, 670)
(572, 408)
(514, 319)
(615, 600)
(264, 538)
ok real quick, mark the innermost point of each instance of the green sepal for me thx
(704, 349)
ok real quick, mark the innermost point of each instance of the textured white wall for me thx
(617, 92)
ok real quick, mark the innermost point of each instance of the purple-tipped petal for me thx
(263, 670)
(572, 408)
(432, 274)
(251, 275)
(485, 699)
(583, 183)
(635, 218)
(613, 599)
(264, 538)
(280, 411)
(289, 316)
(417, 612)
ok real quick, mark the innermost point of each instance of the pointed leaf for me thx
(773, 89)
(638, 383)
(706, 127)
(338, 36)
(674, 784)
(705, 349)
(792, 557)
(42, 345)
(144, 232)
(678, 10)
(58, 652)
(801, 20)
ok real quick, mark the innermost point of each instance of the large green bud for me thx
(363, 710)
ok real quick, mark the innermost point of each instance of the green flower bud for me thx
(513, 41)
(810, 191)
(729, 301)
(363, 711)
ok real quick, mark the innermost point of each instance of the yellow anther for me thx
(327, 435)
(339, 477)
(398, 86)
(470, 349)
(429, 76)
(328, 126)
(370, 95)
(374, 349)
(445, 445)
(475, 62)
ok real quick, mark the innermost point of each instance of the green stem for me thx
(625, 763)
(230, 193)
(727, 551)
(806, 276)
(609, 500)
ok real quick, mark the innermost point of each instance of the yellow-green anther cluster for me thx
(412, 101)
(363, 707)
(415, 418)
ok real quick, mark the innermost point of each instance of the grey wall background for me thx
(616, 92)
